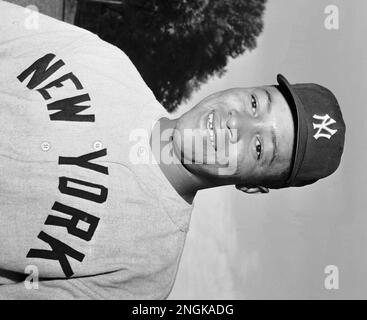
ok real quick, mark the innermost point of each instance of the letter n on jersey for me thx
(69, 108)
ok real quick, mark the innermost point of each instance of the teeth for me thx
(210, 129)
(211, 121)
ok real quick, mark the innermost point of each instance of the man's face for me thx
(240, 135)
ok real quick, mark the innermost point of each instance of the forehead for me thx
(281, 122)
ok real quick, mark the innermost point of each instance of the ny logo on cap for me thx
(323, 130)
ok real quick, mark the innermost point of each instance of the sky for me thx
(277, 246)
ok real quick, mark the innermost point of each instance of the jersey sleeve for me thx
(63, 289)
(96, 287)
(117, 285)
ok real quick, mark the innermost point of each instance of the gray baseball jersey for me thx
(79, 210)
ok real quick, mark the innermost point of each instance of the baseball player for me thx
(97, 181)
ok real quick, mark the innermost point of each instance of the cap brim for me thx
(301, 128)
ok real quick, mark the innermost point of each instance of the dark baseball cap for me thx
(319, 131)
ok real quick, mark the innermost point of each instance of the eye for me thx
(258, 148)
(254, 104)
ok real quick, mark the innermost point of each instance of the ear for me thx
(252, 190)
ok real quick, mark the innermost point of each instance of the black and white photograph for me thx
(183, 150)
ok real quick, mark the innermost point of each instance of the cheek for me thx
(245, 162)
(237, 159)
(242, 150)
(183, 122)
(190, 118)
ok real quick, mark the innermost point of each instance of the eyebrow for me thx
(273, 135)
(275, 146)
(270, 100)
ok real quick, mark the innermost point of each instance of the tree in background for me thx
(177, 44)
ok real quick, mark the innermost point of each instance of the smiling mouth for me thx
(210, 126)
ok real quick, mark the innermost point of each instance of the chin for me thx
(205, 171)
(213, 173)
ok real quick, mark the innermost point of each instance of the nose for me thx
(236, 123)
